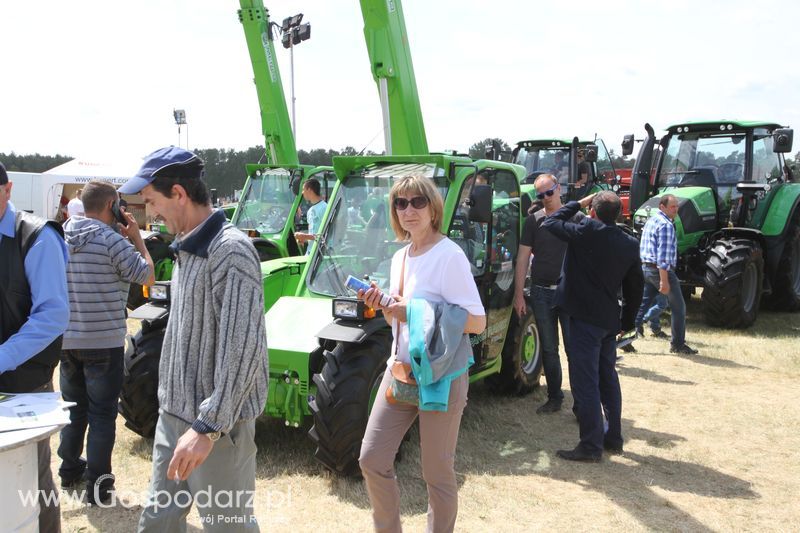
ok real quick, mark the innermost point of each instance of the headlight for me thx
(159, 292)
(352, 309)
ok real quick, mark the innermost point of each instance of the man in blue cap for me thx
(34, 312)
(213, 370)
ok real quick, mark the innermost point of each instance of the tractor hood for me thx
(697, 211)
(293, 323)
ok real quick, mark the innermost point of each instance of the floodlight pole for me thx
(291, 69)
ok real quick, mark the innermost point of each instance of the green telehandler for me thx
(738, 223)
(328, 373)
(270, 210)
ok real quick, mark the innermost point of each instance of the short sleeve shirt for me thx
(314, 215)
(442, 274)
(548, 250)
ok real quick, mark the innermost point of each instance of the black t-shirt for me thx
(548, 250)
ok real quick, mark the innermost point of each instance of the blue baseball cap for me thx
(169, 161)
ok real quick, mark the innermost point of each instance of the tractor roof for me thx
(550, 143)
(714, 125)
(407, 165)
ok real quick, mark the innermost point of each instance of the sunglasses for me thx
(418, 202)
(549, 192)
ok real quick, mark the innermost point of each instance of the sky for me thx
(99, 80)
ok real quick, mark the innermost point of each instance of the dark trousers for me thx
(547, 319)
(92, 379)
(595, 384)
(49, 511)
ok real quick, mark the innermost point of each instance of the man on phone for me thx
(102, 262)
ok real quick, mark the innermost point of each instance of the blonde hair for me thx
(420, 186)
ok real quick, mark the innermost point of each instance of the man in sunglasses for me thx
(548, 255)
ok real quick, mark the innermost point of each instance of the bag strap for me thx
(403, 271)
(402, 283)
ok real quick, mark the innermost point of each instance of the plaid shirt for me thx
(659, 244)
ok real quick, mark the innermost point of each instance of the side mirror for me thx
(627, 144)
(590, 153)
(295, 184)
(525, 204)
(782, 140)
(480, 204)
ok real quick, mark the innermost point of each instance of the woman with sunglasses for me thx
(434, 268)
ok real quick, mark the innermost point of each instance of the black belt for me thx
(645, 263)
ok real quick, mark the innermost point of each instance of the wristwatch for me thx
(213, 436)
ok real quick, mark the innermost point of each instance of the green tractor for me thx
(582, 167)
(738, 223)
(329, 373)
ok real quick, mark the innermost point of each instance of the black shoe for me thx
(640, 331)
(628, 348)
(579, 455)
(74, 484)
(550, 406)
(613, 449)
(98, 495)
(659, 334)
(682, 349)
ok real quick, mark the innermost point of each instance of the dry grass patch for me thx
(712, 444)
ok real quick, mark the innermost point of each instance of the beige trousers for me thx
(438, 434)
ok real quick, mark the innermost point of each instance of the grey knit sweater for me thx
(214, 362)
(101, 264)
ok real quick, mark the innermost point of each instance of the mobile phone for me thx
(118, 214)
(355, 284)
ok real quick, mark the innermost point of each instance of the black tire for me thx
(733, 281)
(522, 358)
(687, 291)
(138, 400)
(159, 249)
(786, 288)
(345, 390)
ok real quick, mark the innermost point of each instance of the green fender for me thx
(780, 209)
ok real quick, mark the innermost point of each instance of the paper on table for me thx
(24, 411)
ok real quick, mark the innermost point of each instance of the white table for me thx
(19, 478)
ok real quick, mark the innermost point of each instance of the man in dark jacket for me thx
(601, 259)
(34, 312)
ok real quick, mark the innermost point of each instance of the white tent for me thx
(116, 172)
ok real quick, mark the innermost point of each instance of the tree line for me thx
(225, 168)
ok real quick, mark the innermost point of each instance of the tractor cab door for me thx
(766, 168)
(603, 167)
(491, 248)
(641, 188)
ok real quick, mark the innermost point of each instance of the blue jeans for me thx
(547, 319)
(677, 305)
(92, 379)
(653, 304)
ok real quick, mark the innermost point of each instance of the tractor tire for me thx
(159, 250)
(138, 400)
(687, 292)
(522, 359)
(786, 288)
(346, 388)
(733, 283)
